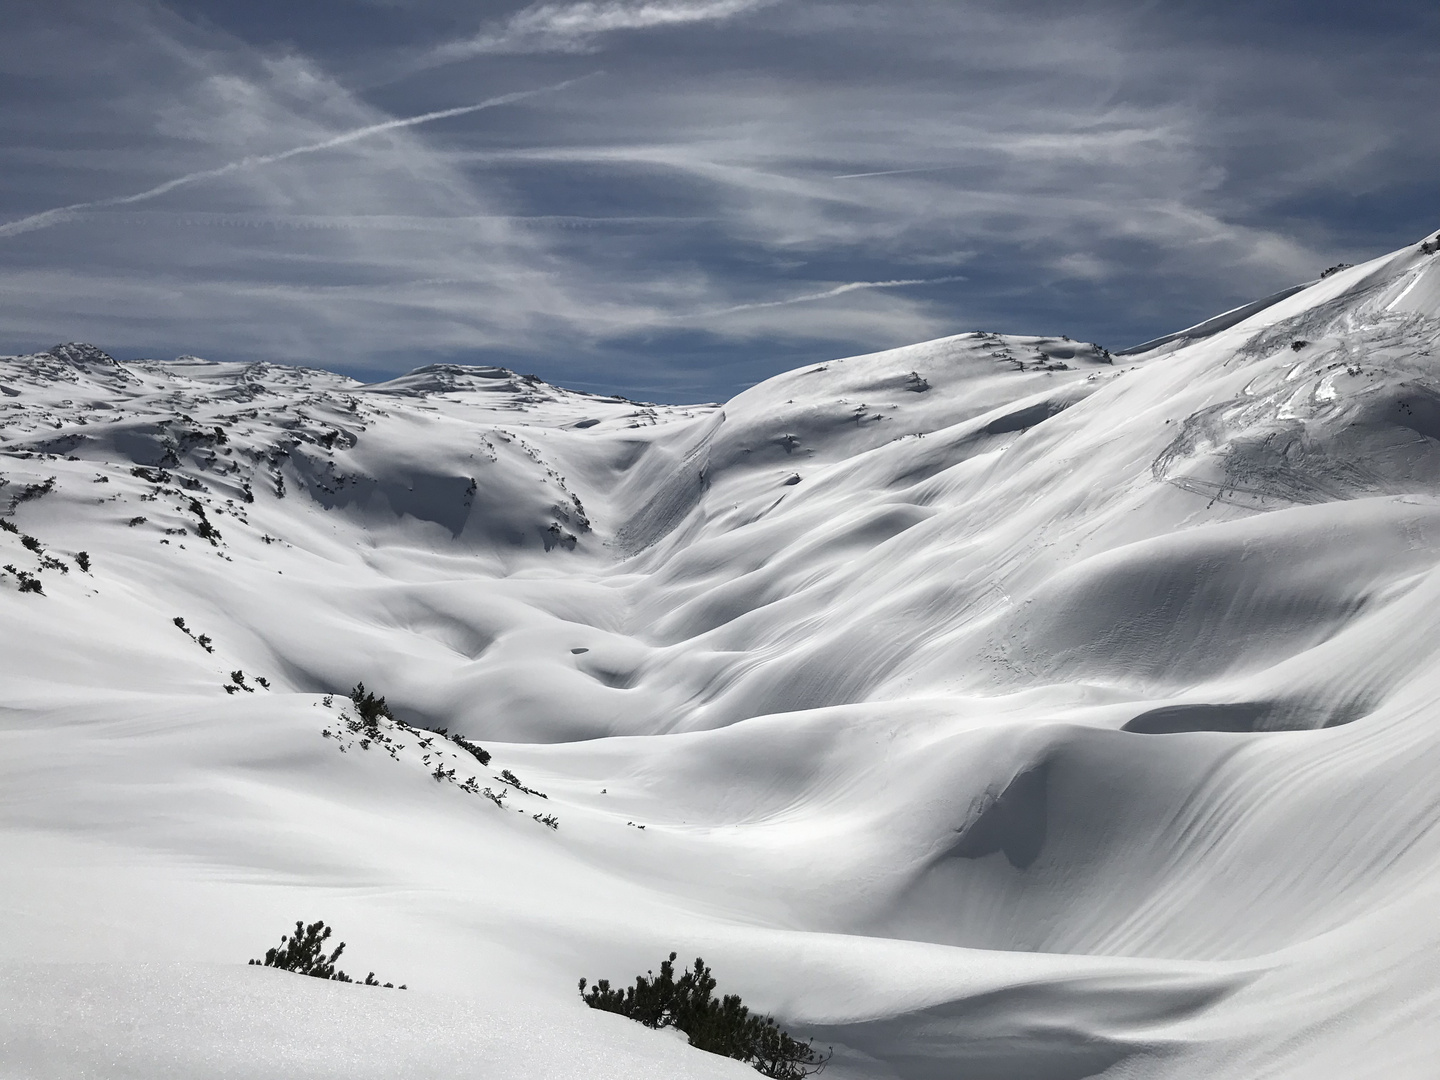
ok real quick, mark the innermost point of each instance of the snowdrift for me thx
(994, 707)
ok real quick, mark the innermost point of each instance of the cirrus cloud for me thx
(575, 27)
(751, 187)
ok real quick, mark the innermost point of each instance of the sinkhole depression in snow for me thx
(992, 708)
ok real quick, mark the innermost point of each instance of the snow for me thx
(145, 1021)
(991, 707)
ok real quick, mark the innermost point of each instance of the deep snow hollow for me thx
(990, 708)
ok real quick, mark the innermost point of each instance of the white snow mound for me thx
(993, 707)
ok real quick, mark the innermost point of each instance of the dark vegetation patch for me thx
(721, 1026)
(303, 952)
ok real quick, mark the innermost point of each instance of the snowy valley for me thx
(994, 707)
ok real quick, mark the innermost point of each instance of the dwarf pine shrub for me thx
(29, 583)
(478, 752)
(370, 708)
(33, 491)
(303, 952)
(514, 781)
(204, 529)
(722, 1026)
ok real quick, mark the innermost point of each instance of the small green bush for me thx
(370, 708)
(721, 1026)
(33, 491)
(514, 781)
(29, 583)
(204, 529)
(478, 752)
(304, 953)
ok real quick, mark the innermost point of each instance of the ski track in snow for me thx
(992, 707)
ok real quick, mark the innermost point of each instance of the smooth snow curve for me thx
(991, 707)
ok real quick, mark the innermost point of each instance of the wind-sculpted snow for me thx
(992, 707)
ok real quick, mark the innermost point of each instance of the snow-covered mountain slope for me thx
(992, 707)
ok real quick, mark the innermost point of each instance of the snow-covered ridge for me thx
(992, 706)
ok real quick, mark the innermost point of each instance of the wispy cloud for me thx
(60, 214)
(576, 27)
(721, 206)
(897, 172)
(828, 294)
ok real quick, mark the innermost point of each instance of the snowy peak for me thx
(454, 378)
(438, 443)
(1406, 282)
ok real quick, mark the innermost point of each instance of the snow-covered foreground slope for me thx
(990, 708)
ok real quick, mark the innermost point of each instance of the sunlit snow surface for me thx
(991, 710)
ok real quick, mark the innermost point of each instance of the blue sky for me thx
(673, 199)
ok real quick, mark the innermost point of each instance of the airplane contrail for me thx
(46, 218)
(896, 172)
(839, 290)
